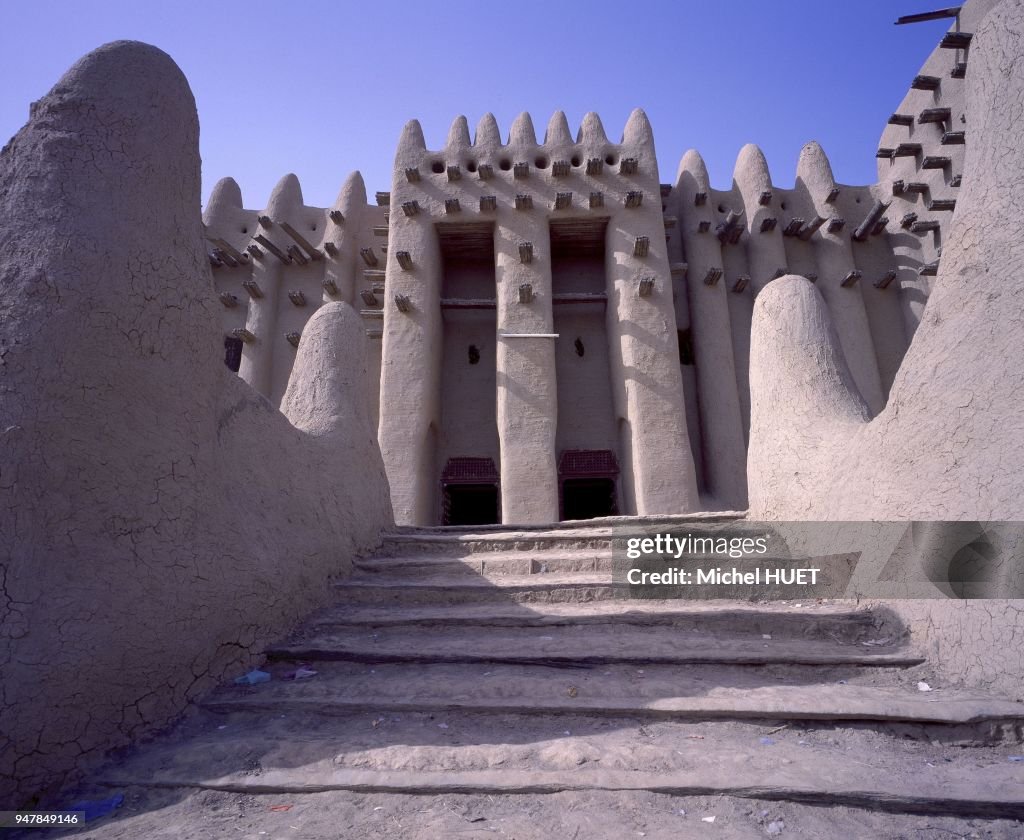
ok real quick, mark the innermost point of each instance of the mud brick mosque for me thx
(216, 421)
(553, 334)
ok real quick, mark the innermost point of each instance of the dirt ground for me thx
(166, 815)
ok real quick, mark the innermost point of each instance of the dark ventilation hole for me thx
(857, 199)
(245, 230)
(721, 208)
(471, 166)
(437, 167)
(685, 347)
(580, 349)
(313, 228)
(233, 353)
(474, 354)
(575, 160)
(505, 164)
(541, 162)
(610, 160)
(783, 205)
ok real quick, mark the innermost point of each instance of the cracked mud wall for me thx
(159, 520)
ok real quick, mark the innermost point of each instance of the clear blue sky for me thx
(321, 88)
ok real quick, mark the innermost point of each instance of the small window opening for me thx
(233, 353)
(685, 347)
(580, 349)
(474, 354)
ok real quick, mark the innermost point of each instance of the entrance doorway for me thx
(469, 492)
(587, 483)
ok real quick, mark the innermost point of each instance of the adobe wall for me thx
(157, 522)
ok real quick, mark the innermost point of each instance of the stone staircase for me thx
(504, 662)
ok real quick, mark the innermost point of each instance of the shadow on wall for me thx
(159, 521)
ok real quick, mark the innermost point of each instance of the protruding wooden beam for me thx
(628, 166)
(956, 40)
(454, 172)
(257, 254)
(901, 119)
(793, 227)
(253, 288)
(293, 338)
(265, 222)
(383, 198)
(741, 284)
(596, 200)
(229, 300)
(301, 241)
(563, 200)
(297, 255)
(404, 259)
(403, 303)
(768, 224)
(886, 279)
(953, 138)
(369, 298)
(925, 227)
(297, 297)
(521, 169)
(880, 226)
(836, 224)
(942, 204)
(936, 162)
(833, 194)
(645, 286)
(934, 115)
(488, 203)
(678, 269)
(700, 199)
(331, 249)
(451, 205)
(907, 220)
(524, 201)
(730, 230)
(412, 174)
(270, 246)
(915, 187)
(925, 83)
(959, 70)
(865, 227)
(244, 334)
(703, 227)
(929, 270)
(219, 257)
(595, 166)
(369, 257)
(232, 252)
(884, 153)
(410, 208)
(713, 276)
(641, 246)
(525, 292)
(634, 198)
(907, 150)
(956, 180)
(899, 186)
(811, 227)
(485, 172)
(765, 198)
(330, 286)
(525, 252)
(560, 168)
(337, 216)
(851, 278)
(920, 17)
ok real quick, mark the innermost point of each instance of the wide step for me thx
(437, 754)
(581, 645)
(676, 693)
